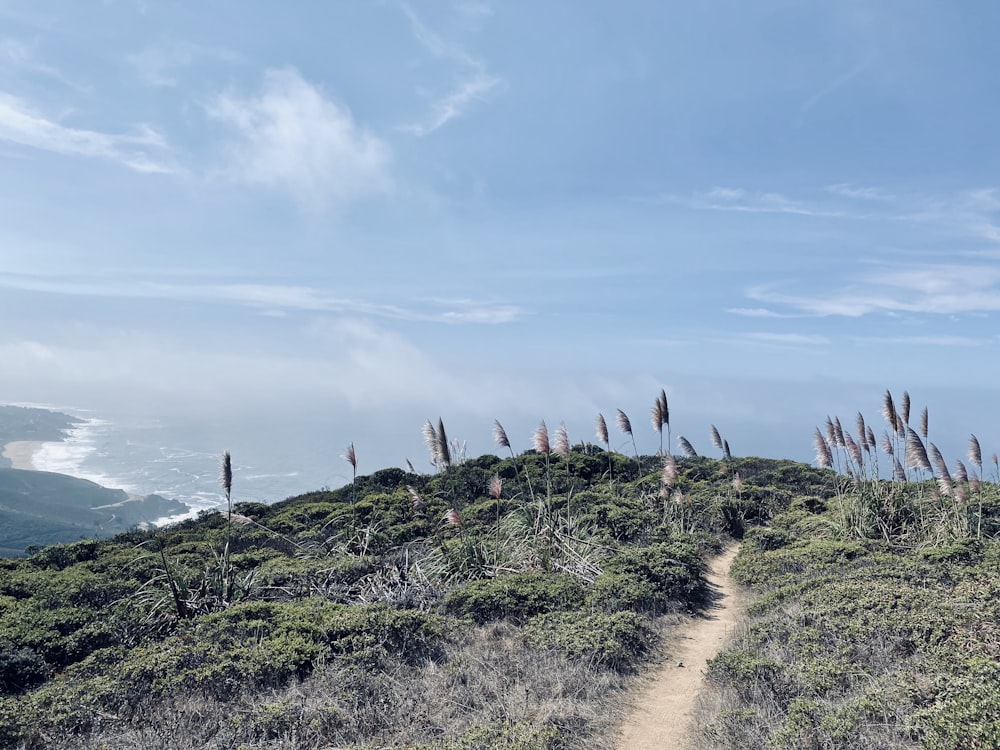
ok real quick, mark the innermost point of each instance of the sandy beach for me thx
(21, 452)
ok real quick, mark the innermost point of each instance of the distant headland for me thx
(39, 508)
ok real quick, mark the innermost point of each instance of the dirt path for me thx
(659, 720)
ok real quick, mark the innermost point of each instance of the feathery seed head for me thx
(938, 459)
(831, 431)
(431, 439)
(562, 447)
(444, 449)
(500, 434)
(853, 448)
(898, 473)
(496, 485)
(452, 518)
(416, 498)
(541, 439)
(961, 473)
(686, 447)
(887, 444)
(602, 430)
(916, 453)
(716, 437)
(226, 476)
(669, 474)
(351, 457)
(889, 412)
(923, 423)
(623, 423)
(904, 408)
(838, 432)
(975, 452)
(824, 456)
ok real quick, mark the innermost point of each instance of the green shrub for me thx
(515, 596)
(966, 713)
(652, 579)
(617, 640)
(20, 669)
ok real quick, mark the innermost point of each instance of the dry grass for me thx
(487, 675)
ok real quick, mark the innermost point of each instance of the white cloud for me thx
(292, 137)
(961, 341)
(743, 201)
(158, 64)
(271, 299)
(474, 82)
(141, 151)
(755, 312)
(941, 289)
(856, 192)
(21, 55)
(455, 103)
(788, 339)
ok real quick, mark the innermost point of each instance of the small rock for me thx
(680, 664)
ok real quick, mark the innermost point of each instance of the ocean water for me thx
(182, 460)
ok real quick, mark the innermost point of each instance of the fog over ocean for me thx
(145, 455)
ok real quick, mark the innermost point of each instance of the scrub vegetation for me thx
(512, 602)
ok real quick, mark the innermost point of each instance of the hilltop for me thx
(512, 603)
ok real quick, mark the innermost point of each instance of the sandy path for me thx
(659, 720)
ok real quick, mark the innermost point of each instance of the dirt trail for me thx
(661, 715)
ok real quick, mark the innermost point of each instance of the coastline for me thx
(21, 453)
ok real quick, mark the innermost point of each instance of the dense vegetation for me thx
(876, 615)
(509, 603)
(495, 603)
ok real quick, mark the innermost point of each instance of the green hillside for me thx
(38, 508)
(512, 603)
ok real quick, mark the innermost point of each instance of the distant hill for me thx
(28, 423)
(41, 508)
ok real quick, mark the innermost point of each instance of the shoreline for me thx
(21, 453)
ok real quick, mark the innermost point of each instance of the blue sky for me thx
(361, 215)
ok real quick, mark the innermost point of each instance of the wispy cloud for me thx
(143, 151)
(292, 137)
(474, 83)
(755, 312)
(269, 299)
(857, 192)
(837, 83)
(159, 64)
(738, 200)
(454, 104)
(936, 289)
(787, 339)
(946, 341)
(23, 56)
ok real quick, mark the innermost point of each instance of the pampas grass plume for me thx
(623, 423)
(562, 447)
(541, 439)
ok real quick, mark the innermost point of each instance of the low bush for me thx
(617, 640)
(515, 596)
(653, 579)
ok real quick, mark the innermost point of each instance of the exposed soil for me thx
(661, 716)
